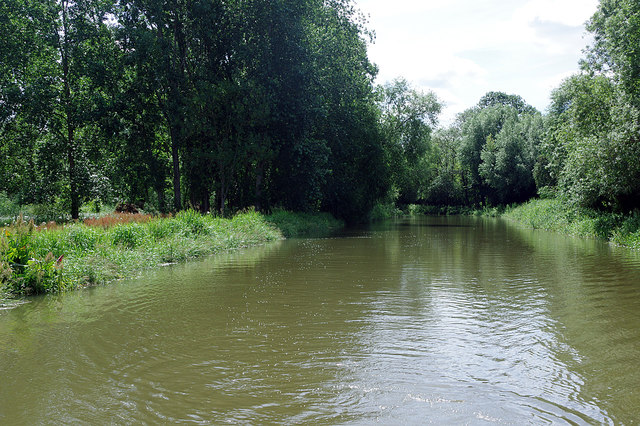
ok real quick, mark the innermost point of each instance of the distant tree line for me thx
(585, 149)
(224, 105)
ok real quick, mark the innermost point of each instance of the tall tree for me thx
(408, 117)
(616, 32)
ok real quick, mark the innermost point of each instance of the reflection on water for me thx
(442, 320)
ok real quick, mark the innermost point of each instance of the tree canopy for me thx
(221, 106)
(213, 105)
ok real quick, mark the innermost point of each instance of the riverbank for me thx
(547, 214)
(53, 258)
(554, 215)
(304, 224)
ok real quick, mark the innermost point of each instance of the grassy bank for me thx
(547, 214)
(390, 211)
(304, 224)
(54, 258)
(554, 215)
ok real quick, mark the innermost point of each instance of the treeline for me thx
(201, 103)
(220, 106)
(585, 149)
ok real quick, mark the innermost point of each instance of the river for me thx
(432, 320)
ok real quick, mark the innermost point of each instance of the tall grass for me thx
(555, 215)
(54, 258)
(304, 224)
(384, 211)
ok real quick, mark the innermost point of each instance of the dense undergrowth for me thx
(53, 258)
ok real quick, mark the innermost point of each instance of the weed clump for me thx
(20, 271)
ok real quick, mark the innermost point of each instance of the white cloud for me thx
(573, 13)
(464, 48)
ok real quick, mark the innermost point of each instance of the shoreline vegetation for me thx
(52, 258)
(549, 214)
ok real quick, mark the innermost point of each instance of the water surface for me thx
(435, 320)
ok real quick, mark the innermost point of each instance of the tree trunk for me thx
(177, 196)
(68, 110)
(259, 191)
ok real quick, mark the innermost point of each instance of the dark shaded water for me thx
(437, 320)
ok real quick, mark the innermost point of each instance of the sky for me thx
(462, 49)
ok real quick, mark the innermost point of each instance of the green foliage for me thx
(492, 99)
(7, 206)
(230, 104)
(408, 117)
(593, 145)
(508, 161)
(20, 272)
(498, 152)
(384, 211)
(96, 254)
(80, 238)
(557, 215)
(628, 233)
(304, 224)
(163, 228)
(616, 30)
(193, 223)
(16, 243)
(128, 236)
(549, 214)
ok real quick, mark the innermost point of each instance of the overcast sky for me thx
(462, 49)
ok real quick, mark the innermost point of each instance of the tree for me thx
(592, 147)
(616, 31)
(58, 89)
(479, 127)
(498, 149)
(500, 98)
(408, 117)
(446, 187)
(508, 160)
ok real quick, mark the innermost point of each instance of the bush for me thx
(384, 211)
(8, 208)
(80, 238)
(31, 258)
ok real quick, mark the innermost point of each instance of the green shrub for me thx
(80, 238)
(44, 276)
(384, 211)
(15, 244)
(8, 207)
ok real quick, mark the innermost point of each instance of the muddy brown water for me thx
(432, 320)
